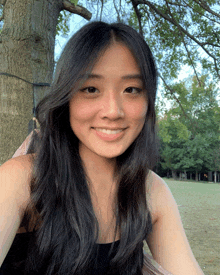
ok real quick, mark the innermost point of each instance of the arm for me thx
(14, 195)
(168, 242)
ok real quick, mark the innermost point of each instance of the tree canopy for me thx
(180, 33)
(190, 140)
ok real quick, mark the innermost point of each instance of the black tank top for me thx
(18, 253)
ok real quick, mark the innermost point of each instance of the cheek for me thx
(80, 112)
(137, 112)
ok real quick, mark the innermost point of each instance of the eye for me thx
(133, 90)
(89, 90)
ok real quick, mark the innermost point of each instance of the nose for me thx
(112, 106)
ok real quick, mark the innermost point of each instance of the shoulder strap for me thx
(22, 150)
(148, 258)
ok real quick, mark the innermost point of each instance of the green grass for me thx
(199, 206)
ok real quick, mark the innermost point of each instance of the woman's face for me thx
(109, 110)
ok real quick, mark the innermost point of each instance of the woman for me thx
(86, 195)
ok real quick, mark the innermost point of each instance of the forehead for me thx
(116, 56)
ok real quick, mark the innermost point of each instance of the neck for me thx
(103, 188)
(100, 170)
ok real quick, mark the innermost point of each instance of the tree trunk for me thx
(190, 175)
(197, 176)
(174, 176)
(185, 175)
(215, 176)
(27, 51)
(210, 176)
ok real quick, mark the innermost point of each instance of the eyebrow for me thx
(129, 76)
(132, 76)
(89, 76)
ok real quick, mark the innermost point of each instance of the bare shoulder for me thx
(20, 163)
(15, 176)
(159, 195)
(156, 183)
(24, 161)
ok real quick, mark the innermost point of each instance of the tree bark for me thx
(174, 176)
(185, 175)
(210, 176)
(215, 177)
(27, 51)
(197, 176)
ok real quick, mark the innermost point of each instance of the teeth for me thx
(109, 132)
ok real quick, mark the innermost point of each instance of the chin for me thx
(111, 154)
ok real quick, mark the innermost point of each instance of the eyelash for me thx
(85, 89)
(138, 90)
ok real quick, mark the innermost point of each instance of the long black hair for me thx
(66, 226)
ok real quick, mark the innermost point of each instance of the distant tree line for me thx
(190, 132)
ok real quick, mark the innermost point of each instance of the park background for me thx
(185, 38)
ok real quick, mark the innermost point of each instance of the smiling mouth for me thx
(108, 131)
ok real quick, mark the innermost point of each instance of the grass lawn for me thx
(199, 206)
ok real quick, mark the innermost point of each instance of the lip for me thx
(107, 136)
(110, 128)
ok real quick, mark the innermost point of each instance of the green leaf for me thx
(63, 23)
(75, 2)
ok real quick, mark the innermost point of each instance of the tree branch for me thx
(134, 4)
(67, 5)
(201, 44)
(169, 17)
(176, 4)
(206, 7)
(188, 53)
(189, 56)
(2, 2)
(102, 6)
(209, 18)
(175, 23)
(117, 11)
